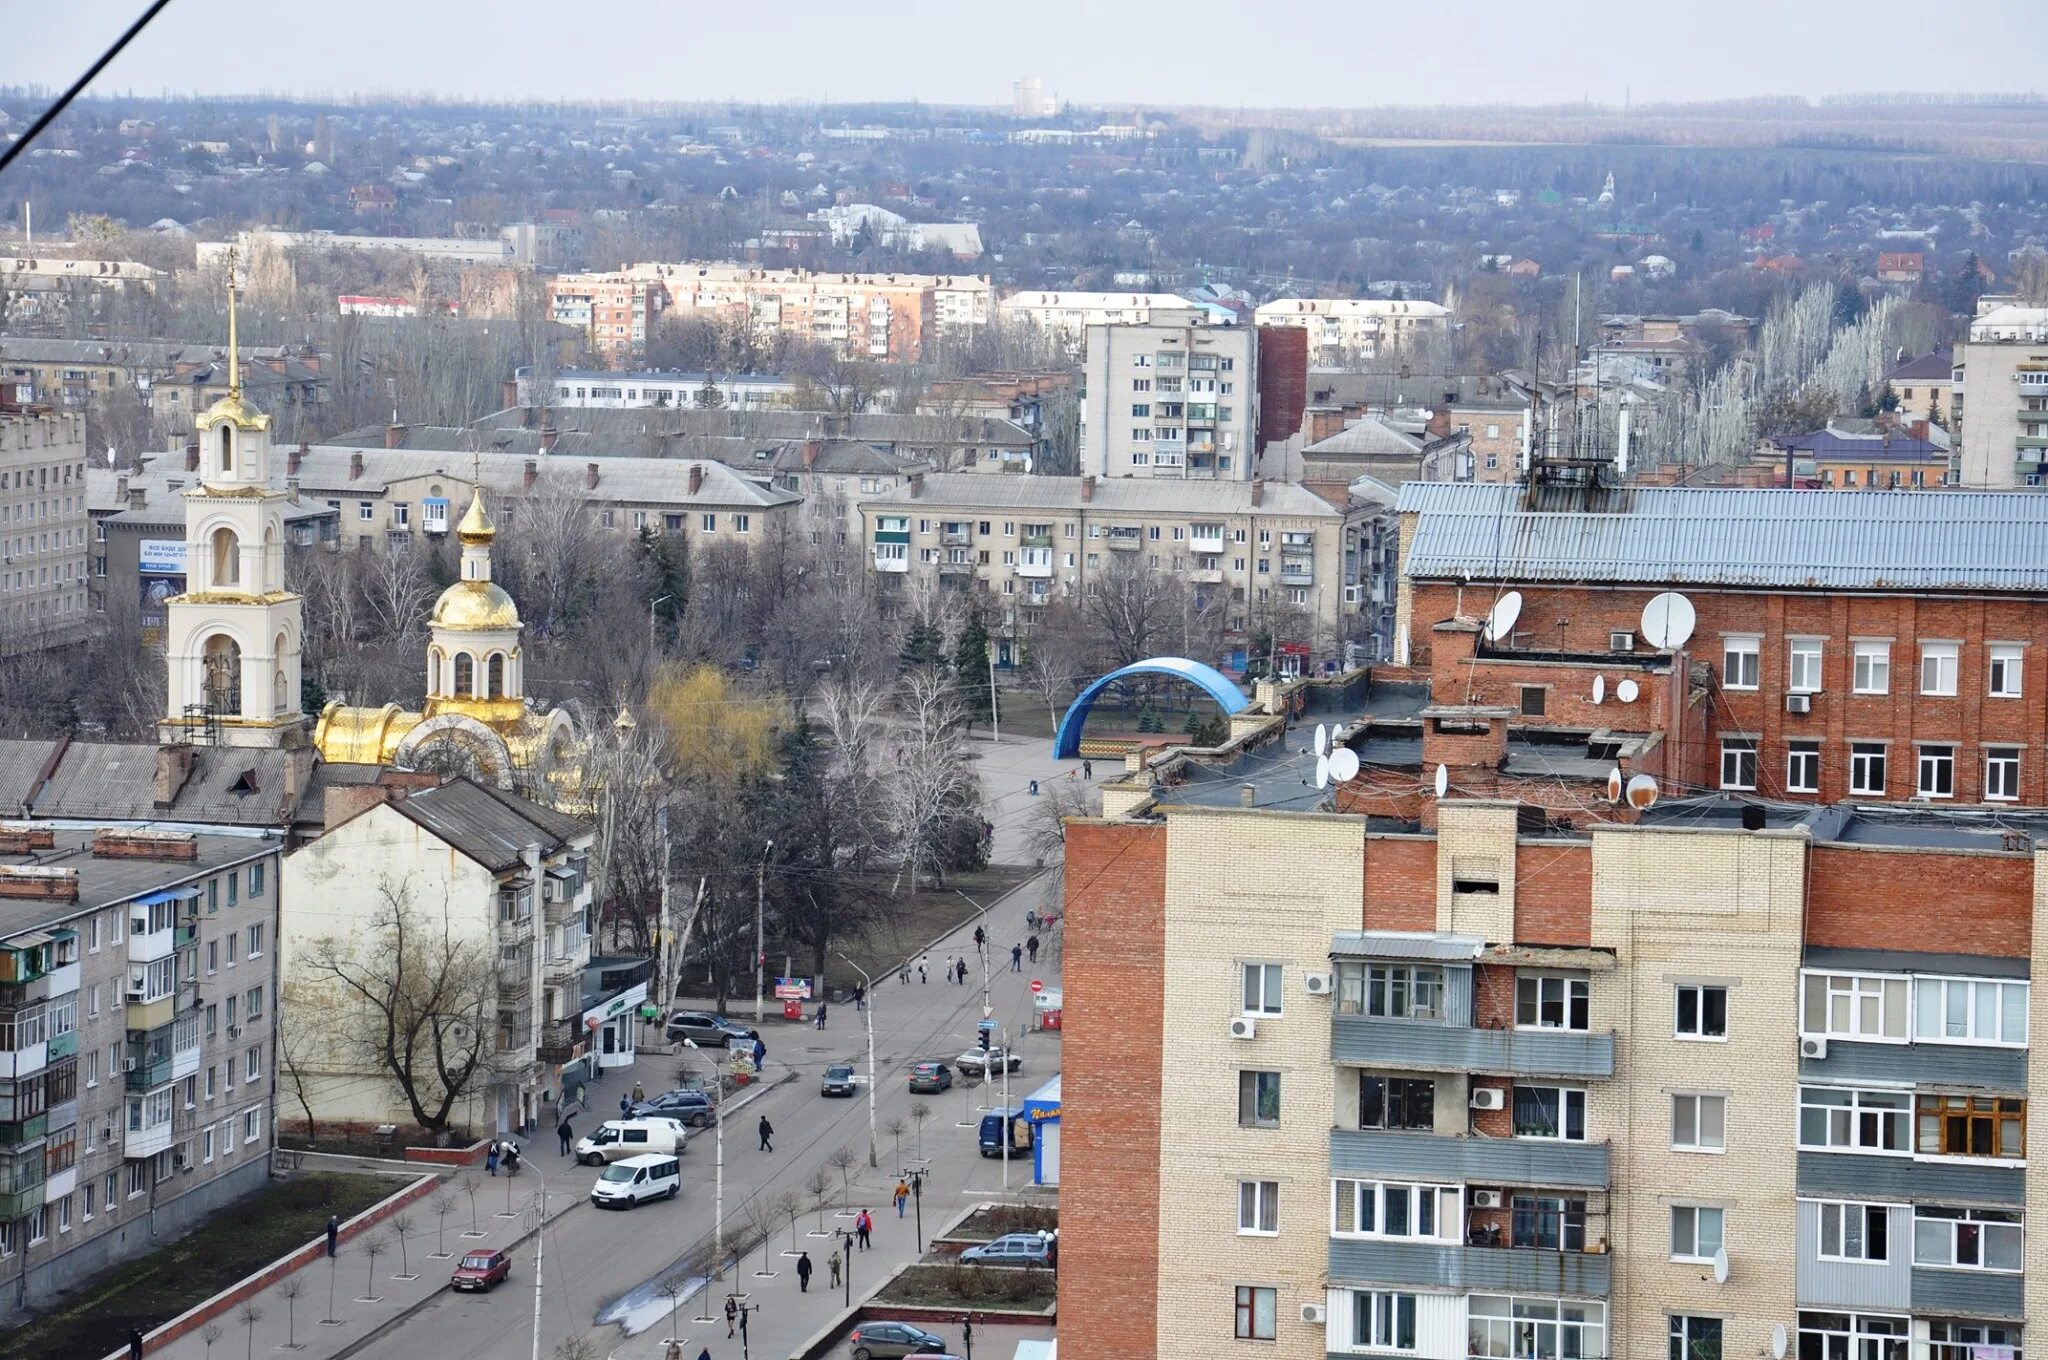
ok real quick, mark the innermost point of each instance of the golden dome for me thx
(475, 531)
(232, 407)
(478, 605)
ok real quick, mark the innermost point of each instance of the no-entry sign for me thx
(1037, 986)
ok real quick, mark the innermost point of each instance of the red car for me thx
(481, 1270)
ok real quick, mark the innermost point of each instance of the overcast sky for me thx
(1220, 52)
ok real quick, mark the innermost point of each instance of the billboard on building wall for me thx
(160, 568)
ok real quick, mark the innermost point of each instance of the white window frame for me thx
(2002, 774)
(1843, 1214)
(1258, 1202)
(1262, 988)
(1698, 1103)
(1698, 1034)
(1512, 1322)
(1568, 993)
(1376, 1320)
(1802, 753)
(1805, 658)
(1871, 671)
(2005, 670)
(1843, 996)
(1934, 1224)
(1444, 1204)
(1934, 765)
(1688, 1242)
(1851, 1117)
(1859, 768)
(1933, 1000)
(1940, 663)
(1741, 661)
(1567, 1096)
(1734, 752)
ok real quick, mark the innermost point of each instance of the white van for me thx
(625, 1183)
(617, 1139)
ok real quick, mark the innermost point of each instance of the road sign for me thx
(1037, 986)
(985, 1025)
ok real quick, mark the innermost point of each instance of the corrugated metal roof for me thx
(1677, 536)
(1402, 944)
(490, 826)
(1113, 495)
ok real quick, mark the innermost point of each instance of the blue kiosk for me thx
(1042, 1109)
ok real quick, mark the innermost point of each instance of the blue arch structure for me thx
(1208, 679)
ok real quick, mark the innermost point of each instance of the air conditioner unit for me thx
(1244, 1027)
(1619, 641)
(1799, 703)
(1312, 1313)
(1318, 984)
(1489, 1098)
(1813, 1046)
(1486, 1199)
(127, 1064)
(234, 1031)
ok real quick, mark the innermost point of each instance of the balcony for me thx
(516, 930)
(955, 538)
(153, 945)
(151, 1014)
(21, 1184)
(514, 980)
(1296, 574)
(1406, 1154)
(61, 980)
(1856, 1175)
(1360, 1040)
(1211, 544)
(1206, 576)
(561, 969)
(1970, 1293)
(1447, 1265)
(30, 1130)
(1849, 1063)
(26, 1061)
(891, 563)
(1125, 539)
(559, 1041)
(1035, 563)
(956, 569)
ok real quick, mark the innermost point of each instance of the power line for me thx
(49, 115)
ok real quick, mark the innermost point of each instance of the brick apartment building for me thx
(615, 312)
(897, 318)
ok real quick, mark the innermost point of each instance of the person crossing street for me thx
(767, 1135)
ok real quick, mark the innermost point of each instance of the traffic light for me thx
(984, 1040)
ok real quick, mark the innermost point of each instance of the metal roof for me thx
(489, 825)
(1404, 944)
(1724, 536)
(1112, 496)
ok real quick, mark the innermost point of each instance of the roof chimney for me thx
(1087, 490)
(394, 436)
(121, 487)
(916, 485)
(191, 455)
(590, 476)
(510, 393)
(811, 448)
(696, 478)
(1258, 491)
(293, 459)
(173, 768)
(548, 436)
(355, 466)
(532, 474)
(291, 488)
(136, 497)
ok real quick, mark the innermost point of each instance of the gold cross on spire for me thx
(234, 353)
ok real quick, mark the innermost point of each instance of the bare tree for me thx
(396, 587)
(249, 1315)
(471, 1187)
(790, 1204)
(764, 1216)
(555, 552)
(842, 1160)
(932, 784)
(1055, 658)
(918, 1114)
(444, 1205)
(673, 1287)
(372, 1249)
(895, 1129)
(819, 1187)
(290, 1043)
(402, 1228)
(290, 1290)
(210, 1333)
(1130, 605)
(410, 999)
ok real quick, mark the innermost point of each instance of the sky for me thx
(1272, 53)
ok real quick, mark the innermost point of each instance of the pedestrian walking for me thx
(767, 1135)
(963, 972)
(980, 938)
(134, 1343)
(732, 1315)
(902, 1196)
(903, 974)
(639, 1093)
(1016, 958)
(803, 1266)
(864, 1225)
(760, 1052)
(625, 1105)
(835, 1270)
(1087, 768)
(566, 1135)
(1031, 919)
(491, 1157)
(704, 1354)
(860, 997)
(818, 1020)
(921, 978)
(1031, 948)
(511, 1158)
(333, 1235)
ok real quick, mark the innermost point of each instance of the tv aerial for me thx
(1668, 621)
(1500, 620)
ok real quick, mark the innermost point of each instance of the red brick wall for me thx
(1495, 1123)
(1400, 884)
(1114, 985)
(1493, 997)
(1925, 902)
(1283, 381)
(1554, 894)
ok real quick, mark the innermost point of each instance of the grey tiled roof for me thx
(1113, 495)
(117, 781)
(490, 826)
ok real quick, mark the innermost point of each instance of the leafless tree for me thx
(249, 1315)
(444, 1205)
(290, 1043)
(1130, 605)
(577, 1348)
(842, 1160)
(402, 1229)
(555, 549)
(672, 1287)
(854, 711)
(372, 1249)
(210, 1333)
(1055, 659)
(918, 1114)
(819, 1188)
(896, 1128)
(290, 1291)
(764, 1216)
(626, 859)
(932, 783)
(471, 1187)
(396, 588)
(789, 1204)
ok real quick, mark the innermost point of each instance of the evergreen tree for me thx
(664, 572)
(970, 668)
(922, 646)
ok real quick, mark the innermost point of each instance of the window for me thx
(1702, 1012)
(1969, 1011)
(1699, 1123)
(1695, 1232)
(1873, 674)
(366, 510)
(1258, 1208)
(1740, 662)
(1255, 1310)
(1547, 1223)
(708, 524)
(742, 524)
(1550, 1112)
(1855, 1232)
(1262, 989)
(1802, 767)
(1393, 991)
(1957, 1340)
(1397, 1209)
(2002, 774)
(1383, 1321)
(2005, 669)
(254, 1070)
(138, 1178)
(1258, 1099)
(1937, 772)
(1973, 1126)
(1547, 1001)
(1802, 665)
(1509, 1327)
(1866, 767)
(1854, 1006)
(1738, 762)
(1837, 1120)
(1938, 667)
(39, 1224)
(1699, 1338)
(1396, 1103)
(252, 1126)
(1967, 1239)
(255, 941)
(213, 956)
(1852, 1336)
(234, 887)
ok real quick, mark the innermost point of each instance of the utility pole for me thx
(1008, 1113)
(540, 1241)
(868, 1009)
(985, 942)
(662, 935)
(760, 933)
(995, 715)
(717, 1123)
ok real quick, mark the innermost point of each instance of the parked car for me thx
(1005, 1134)
(707, 1030)
(992, 1062)
(1011, 1249)
(626, 1183)
(874, 1340)
(837, 1081)
(692, 1107)
(618, 1139)
(481, 1270)
(930, 1077)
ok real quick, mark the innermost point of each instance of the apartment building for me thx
(1998, 400)
(174, 379)
(1346, 328)
(509, 881)
(137, 1010)
(1922, 386)
(1251, 553)
(1871, 457)
(615, 312)
(897, 318)
(1174, 401)
(1066, 317)
(43, 527)
(577, 388)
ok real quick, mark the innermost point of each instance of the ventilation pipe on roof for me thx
(1621, 444)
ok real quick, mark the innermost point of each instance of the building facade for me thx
(1066, 317)
(615, 312)
(44, 530)
(897, 318)
(1344, 328)
(1998, 401)
(1171, 401)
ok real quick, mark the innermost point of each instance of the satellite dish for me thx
(1344, 764)
(1322, 771)
(1614, 785)
(1322, 738)
(1599, 689)
(1721, 1266)
(1642, 792)
(1779, 1341)
(1443, 781)
(1627, 691)
(1668, 620)
(1500, 620)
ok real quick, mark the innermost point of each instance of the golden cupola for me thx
(475, 603)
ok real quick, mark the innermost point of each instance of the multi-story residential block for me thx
(1865, 455)
(895, 317)
(172, 379)
(505, 882)
(572, 388)
(255, 245)
(1923, 385)
(1171, 401)
(2002, 427)
(1250, 553)
(1347, 328)
(615, 312)
(137, 1011)
(43, 527)
(1066, 317)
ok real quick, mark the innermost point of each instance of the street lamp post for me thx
(868, 1009)
(916, 1179)
(986, 940)
(718, 1124)
(760, 933)
(540, 1242)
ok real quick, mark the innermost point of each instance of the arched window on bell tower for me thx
(227, 559)
(227, 449)
(465, 675)
(496, 671)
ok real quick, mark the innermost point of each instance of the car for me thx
(1011, 1249)
(692, 1107)
(837, 1081)
(627, 1182)
(993, 1061)
(873, 1340)
(707, 1030)
(930, 1077)
(481, 1270)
